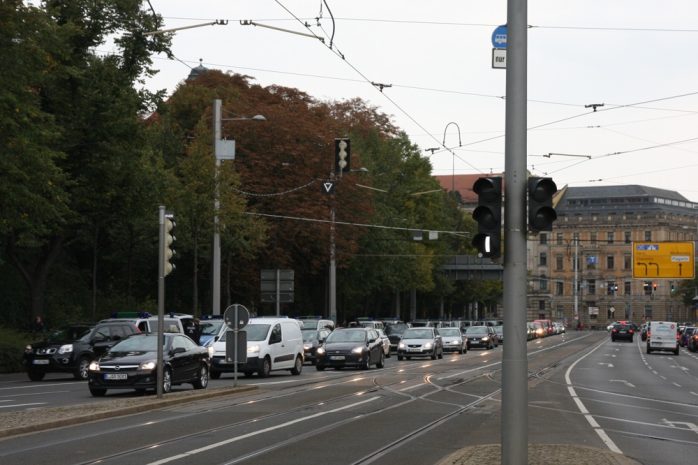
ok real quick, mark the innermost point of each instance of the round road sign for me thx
(236, 316)
(499, 37)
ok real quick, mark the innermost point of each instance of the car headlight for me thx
(320, 350)
(150, 365)
(428, 345)
(357, 350)
(307, 346)
(485, 338)
(253, 349)
(211, 350)
(401, 345)
(94, 366)
(65, 349)
(28, 349)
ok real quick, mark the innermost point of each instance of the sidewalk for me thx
(540, 454)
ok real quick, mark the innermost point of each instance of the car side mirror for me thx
(371, 341)
(178, 350)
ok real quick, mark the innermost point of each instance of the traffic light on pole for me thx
(541, 213)
(168, 252)
(342, 155)
(488, 215)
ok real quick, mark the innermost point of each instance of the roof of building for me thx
(463, 184)
(626, 198)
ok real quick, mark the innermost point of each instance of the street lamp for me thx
(453, 158)
(223, 150)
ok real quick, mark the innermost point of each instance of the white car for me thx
(453, 340)
(386, 342)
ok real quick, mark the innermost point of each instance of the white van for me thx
(663, 336)
(272, 344)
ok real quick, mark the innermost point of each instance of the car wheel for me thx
(35, 375)
(387, 354)
(441, 354)
(298, 367)
(265, 369)
(319, 368)
(97, 392)
(408, 358)
(613, 339)
(433, 354)
(214, 374)
(248, 373)
(202, 381)
(367, 363)
(81, 371)
(381, 361)
(140, 392)
(399, 357)
(631, 340)
(676, 351)
(166, 381)
(649, 351)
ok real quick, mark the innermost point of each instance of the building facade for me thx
(582, 271)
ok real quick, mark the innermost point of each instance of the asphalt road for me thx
(583, 390)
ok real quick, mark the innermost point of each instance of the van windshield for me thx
(255, 332)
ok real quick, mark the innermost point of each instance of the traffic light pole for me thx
(161, 299)
(333, 260)
(514, 424)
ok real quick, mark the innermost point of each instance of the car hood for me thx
(451, 338)
(129, 357)
(342, 346)
(53, 343)
(416, 341)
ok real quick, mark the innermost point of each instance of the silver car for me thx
(453, 340)
(420, 342)
(386, 342)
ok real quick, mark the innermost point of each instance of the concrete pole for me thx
(514, 427)
(216, 292)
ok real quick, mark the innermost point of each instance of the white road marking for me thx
(627, 383)
(255, 433)
(599, 431)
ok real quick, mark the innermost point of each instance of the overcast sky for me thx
(637, 57)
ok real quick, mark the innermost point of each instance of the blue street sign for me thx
(499, 37)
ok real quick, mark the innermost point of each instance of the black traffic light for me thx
(541, 213)
(342, 155)
(168, 252)
(488, 215)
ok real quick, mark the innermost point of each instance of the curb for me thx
(540, 454)
(40, 419)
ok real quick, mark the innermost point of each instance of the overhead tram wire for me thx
(338, 53)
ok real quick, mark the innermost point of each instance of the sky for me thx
(434, 60)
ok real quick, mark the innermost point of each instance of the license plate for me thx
(40, 361)
(414, 350)
(337, 357)
(116, 376)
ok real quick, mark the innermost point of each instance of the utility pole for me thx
(514, 428)
(216, 292)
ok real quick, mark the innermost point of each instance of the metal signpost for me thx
(236, 318)
(277, 286)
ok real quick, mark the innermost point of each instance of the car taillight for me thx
(632, 331)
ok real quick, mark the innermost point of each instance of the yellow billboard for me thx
(663, 260)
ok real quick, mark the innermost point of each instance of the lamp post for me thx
(223, 150)
(453, 154)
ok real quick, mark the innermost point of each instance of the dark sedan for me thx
(623, 331)
(351, 347)
(132, 364)
(312, 339)
(481, 336)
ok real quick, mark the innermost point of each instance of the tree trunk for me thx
(36, 280)
(95, 247)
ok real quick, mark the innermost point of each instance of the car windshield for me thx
(395, 329)
(145, 343)
(449, 332)
(309, 324)
(211, 328)
(347, 336)
(309, 335)
(499, 329)
(68, 333)
(476, 330)
(416, 333)
(257, 332)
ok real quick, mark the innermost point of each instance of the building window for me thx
(559, 263)
(609, 237)
(627, 288)
(611, 288)
(647, 287)
(591, 262)
(592, 238)
(627, 262)
(648, 236)
(543, 238)
(628, 237)
(543, 283)
(543, 259)
(559, 239)
(541, 306)
(591, 286)
(648, 312)
(609, 262)
(559, 288)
